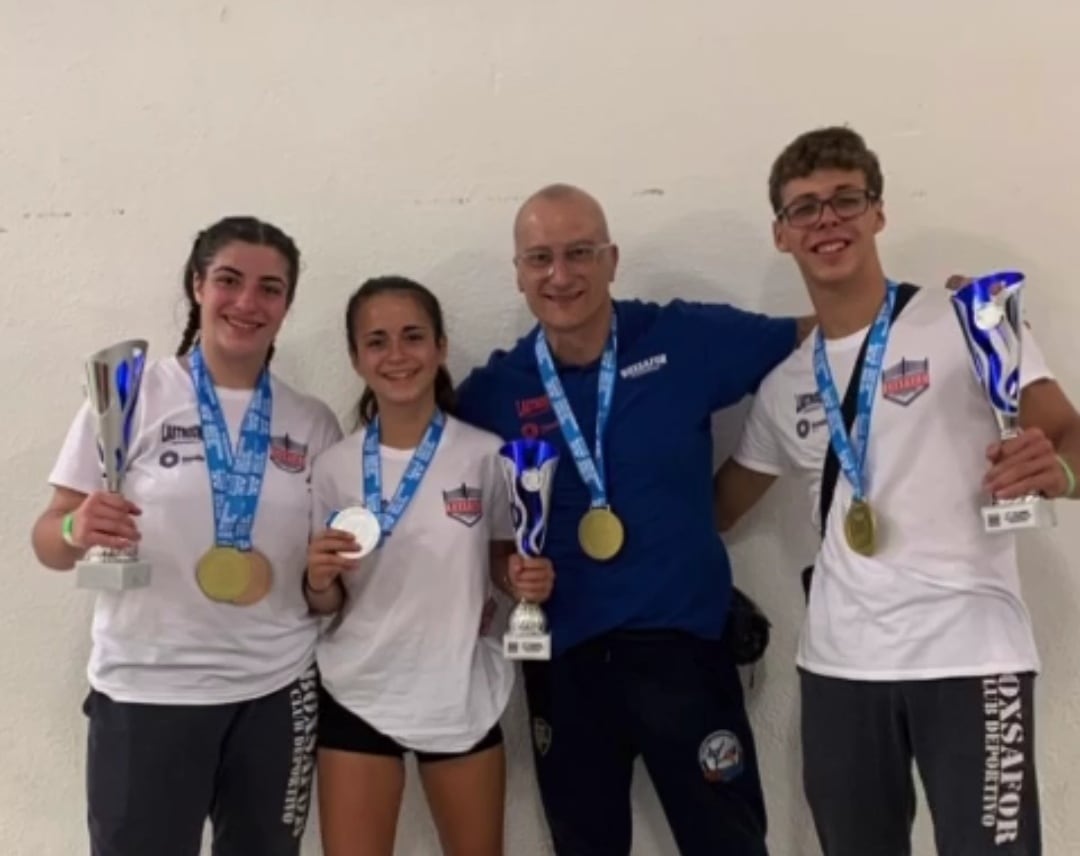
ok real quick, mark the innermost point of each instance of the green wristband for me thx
(67, 529)
(1070, 476)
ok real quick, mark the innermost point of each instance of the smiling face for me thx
(565, 261)
(828, 221)
(398, 351)
(243, 297)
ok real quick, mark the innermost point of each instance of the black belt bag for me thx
(747, 630)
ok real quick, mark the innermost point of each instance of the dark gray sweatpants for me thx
(155, 773)
(973, 740)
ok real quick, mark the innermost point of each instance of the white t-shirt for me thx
(168, 643)
(406, 654)
(940, 597)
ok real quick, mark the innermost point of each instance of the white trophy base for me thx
(112, 575)
(1026, 513)
(531, 646)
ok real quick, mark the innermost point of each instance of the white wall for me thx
(399, 135)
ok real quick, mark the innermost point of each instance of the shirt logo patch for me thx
(181, 433)
(532, 430)
(170, 458)
(527, 407)
(721, 756)
(804, 427)
(464, 504)
(644, 367)
(541, 736)
(905, 381)
(805, 401)
(288, 454)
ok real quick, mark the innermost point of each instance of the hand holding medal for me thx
(359, 530)
(331, 553)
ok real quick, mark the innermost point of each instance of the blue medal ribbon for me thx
(236, 476)
(589, 467)
(410, 481)
(851, 451)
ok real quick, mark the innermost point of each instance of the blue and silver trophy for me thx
(113, 378)
(529, 468)
(988, 309)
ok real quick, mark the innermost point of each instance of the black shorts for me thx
(340, 728)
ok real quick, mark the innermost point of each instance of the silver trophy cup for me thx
(113, 378)
(529, 468)
(988, 309)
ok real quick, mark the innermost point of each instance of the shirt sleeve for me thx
(474, 402)
(1033, 365)
(78, 466)
(327, 432)
(497, 498)
(739, 349)
(759, 447)
(323, 500)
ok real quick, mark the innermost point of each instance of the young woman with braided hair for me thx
(204, 692)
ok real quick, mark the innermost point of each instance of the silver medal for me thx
(361, 524)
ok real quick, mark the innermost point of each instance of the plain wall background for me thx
(400, 137)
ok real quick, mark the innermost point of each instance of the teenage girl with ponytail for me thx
(203, 686)
(403, 664)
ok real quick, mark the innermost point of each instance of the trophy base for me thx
(527, 647)
(112, 575)
(1030, 512)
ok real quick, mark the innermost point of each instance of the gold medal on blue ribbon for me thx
(600, 534)
(860, 528)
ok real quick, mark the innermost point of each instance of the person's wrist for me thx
(311, 588)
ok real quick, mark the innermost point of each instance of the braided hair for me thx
(209, 242)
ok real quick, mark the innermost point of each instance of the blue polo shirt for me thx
(678, 363)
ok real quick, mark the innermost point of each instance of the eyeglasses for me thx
(579, 256)
(846, 204)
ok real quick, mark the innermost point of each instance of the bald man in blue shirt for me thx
(643, 581)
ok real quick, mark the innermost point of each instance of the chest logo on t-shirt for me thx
(907, 380)
(464, 504)
(535, 416)
(643, 367)
(181, 433)
(807, 403)
(288, 454)
(534, 406)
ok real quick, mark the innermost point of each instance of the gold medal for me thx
(262, 578)
(223, 573)
(860, 528)
(600, 534)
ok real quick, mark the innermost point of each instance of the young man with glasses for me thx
(917, 646)
(625, 390)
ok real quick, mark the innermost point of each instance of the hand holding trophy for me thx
(529, 468)
(113, 378)
(988, 309)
